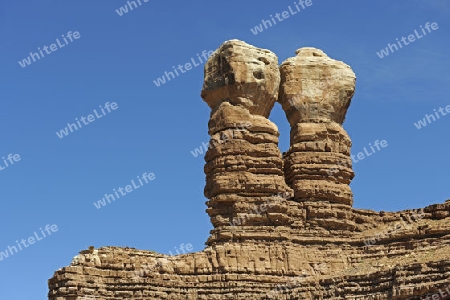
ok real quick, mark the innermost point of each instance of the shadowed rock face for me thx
(284, 228)
(242, 75)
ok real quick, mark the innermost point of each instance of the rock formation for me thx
(315, 93)
(243, 172)
(284, 227)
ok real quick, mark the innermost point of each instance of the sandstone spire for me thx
(244, 168)
(315, 93)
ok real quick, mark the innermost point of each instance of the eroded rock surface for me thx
(245, 169)
(315, 93)
(283, 229)
(242, 75)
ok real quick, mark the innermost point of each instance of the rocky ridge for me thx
(284, 225)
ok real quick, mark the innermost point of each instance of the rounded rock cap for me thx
(315, 88)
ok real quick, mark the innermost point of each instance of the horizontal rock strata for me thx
(315, 93)
(284, 227)
(405, 265)
(244, 174)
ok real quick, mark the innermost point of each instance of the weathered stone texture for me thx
(242, 75)
(245, 169)
(315, 93)
(284, 228)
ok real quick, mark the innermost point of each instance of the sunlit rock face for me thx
(315, 93)
(268, 243)
(242, 75)
(243, 167)
(315, 88)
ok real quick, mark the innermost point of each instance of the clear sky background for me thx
(154, 129)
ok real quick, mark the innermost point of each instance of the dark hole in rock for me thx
(258, 74)
(264, 60)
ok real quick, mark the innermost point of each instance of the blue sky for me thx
(154, 129)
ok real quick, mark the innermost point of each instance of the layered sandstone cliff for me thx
(284, 226)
